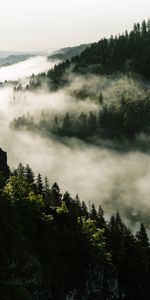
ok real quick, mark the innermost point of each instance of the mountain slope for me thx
(53, 247)
(68, 52)
(127, 52)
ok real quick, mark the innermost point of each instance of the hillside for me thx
(68, 52)
(114, 74)
(128, 52)
(50, 240)
(13, 59)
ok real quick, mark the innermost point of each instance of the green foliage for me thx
(16, 188)
(47, 218)
(54, 247)
(62, 209)
(95, 235)
(35, 201)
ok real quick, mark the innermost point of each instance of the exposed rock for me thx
(4, 169)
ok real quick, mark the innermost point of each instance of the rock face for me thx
(4, 169)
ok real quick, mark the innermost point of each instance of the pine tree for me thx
(39, 184)
(46, 191)
(20, 170)
(77, 206)
(68, 200)
(84, 209)
(29, 175)
(93, 212)
(101, 99)
(100, 218)
(56, 126)
(92, 123)
(144, 28)
(142, 237)
(55, 195)
(148, 26)
(66, 124)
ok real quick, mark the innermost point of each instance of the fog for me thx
(100, 174)
(33, 65)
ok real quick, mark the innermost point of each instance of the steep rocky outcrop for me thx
(4, 169)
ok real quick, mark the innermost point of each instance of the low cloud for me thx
(21, 70)
(119, 180)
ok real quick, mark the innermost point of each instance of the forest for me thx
(75, 118)
(53, 246)
(128, 53)
(125, 57)
(110, 121)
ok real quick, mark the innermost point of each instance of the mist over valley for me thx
(75, 169)
(113, 173)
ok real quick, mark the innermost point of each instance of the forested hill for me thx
(126, 52)
(129, 51)
(68, 52)
(121, 101)
(52, 247)
(13, 59)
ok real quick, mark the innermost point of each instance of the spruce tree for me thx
(29, 175)
(142, 237)
(39, 184)
(55, 195)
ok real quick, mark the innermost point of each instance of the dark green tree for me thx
(101, 223)
(55, 195)
(39, 184)
(142, 237)
(93, 212)
(29, 175)
(46, 191)
(20, 171)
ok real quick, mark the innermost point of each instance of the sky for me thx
(35, 25)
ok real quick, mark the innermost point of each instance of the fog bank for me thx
(100, 174)
(33, 65)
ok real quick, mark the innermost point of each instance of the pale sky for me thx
(27, 25)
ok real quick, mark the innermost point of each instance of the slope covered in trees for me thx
(53, 247)
(113, 117)
(68, 52)
(120, 101)
(128, 52)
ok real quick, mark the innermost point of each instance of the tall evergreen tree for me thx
(39, 184)
(100, 218)
(29, 175)
(55, 195)
(93, 212)
(20, 171)
(84, 209)
(46, 191)
(142, 237)
(101, 99)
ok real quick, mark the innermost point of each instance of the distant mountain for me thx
(13, 59)
(8, 58)
(4, 54)
(68, 52)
